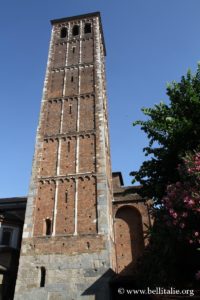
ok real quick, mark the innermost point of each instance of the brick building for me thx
(77, 233)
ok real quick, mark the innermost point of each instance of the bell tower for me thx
(67, 245)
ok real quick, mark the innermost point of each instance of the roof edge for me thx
(95, 14)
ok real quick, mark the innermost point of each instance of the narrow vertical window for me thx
(42, 276)
(87, 28)
(72, 79)
(75, 30)
(63, 32)
(66, 196)
(68, 146)
(73, 49)
(48, 224)
(70, 109)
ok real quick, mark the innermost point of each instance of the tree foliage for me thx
(172, 129)
(171, 177)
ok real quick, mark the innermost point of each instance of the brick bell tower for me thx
(67, 246)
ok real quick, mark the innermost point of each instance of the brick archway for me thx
(128, 237)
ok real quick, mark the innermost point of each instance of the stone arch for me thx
(128, 237)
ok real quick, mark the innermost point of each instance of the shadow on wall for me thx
(101, 289)
(111, 286)
(129, 240)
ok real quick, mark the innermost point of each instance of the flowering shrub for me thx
(181, 202)
(197, 275)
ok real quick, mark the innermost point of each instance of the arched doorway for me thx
(129, 237)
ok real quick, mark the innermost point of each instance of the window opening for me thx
(42, 276)
(68, 146)
(87, 28)
(73, 49)
(6, 238)
(63, 32)
(75, 30)
(70, 109)
(72, 79)
(66, 196)
(48, 226)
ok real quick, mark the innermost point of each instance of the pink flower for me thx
(191, 241)
(174, 215)
(166, 199)
(172, 194)
(191, 202)
(182, 225)
(178, 184)
(197, 275)
(184, 214)
(196, 233)
(186, 199)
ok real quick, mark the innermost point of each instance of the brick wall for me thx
(128, 236)
(44, 209)
(65, 207)
(87, 113)
(49, 158)
(69, 115)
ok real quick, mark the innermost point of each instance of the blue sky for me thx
(149, 43)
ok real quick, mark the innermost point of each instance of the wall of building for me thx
(131, 218)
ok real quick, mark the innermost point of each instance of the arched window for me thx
(42, 276)
(75, 30)
(63, 32)
(87, 28)
(48, 228)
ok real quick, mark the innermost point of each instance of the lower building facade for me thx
(60, 272)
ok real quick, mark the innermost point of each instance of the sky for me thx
(148, 42)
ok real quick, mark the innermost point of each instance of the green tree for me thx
(171, 177)
(172, 129)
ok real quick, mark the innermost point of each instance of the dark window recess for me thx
(70, 109)
(73, 49)
(66, 197)
(68, 146)
(6, 238)
(75, 30)
(42, 276)
(87, 28)
(72, 79)
(63, 33)
(48, 227)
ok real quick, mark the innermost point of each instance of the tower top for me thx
(78, 17)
